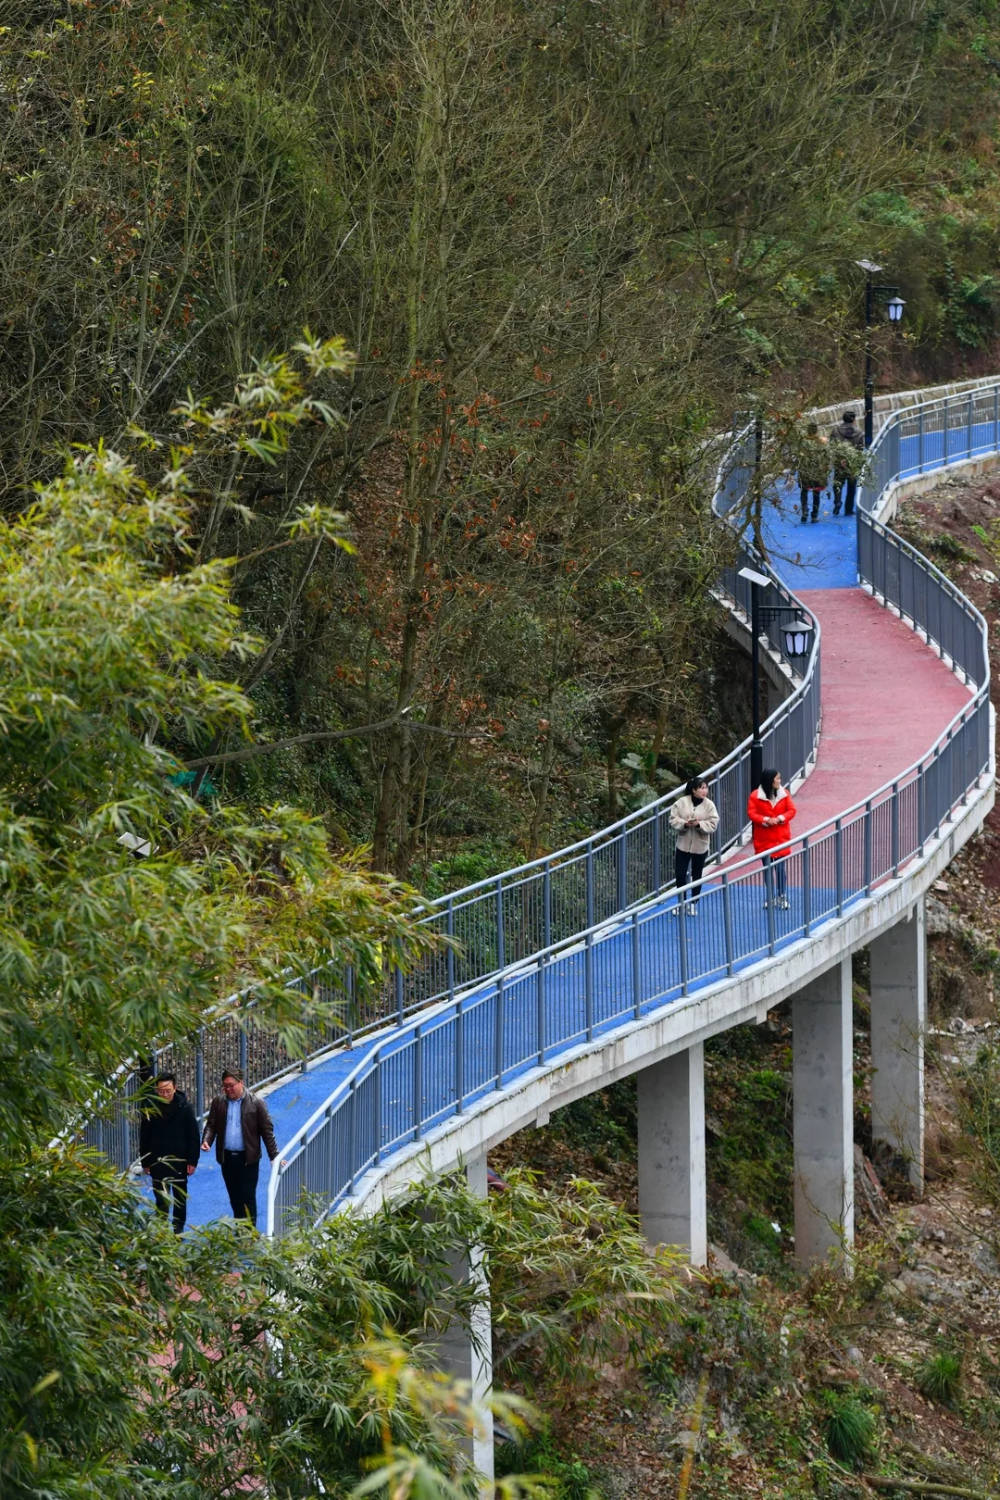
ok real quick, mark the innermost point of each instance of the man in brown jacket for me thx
(237, 1123)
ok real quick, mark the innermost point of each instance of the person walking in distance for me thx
(845, 437)
(694, 817)
(168, 1147)
(813, 469)
(237, 1122)
(771, 810)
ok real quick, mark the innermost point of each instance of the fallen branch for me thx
(924, 1487)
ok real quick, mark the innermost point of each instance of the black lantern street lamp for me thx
(796, 635)
(894, 308)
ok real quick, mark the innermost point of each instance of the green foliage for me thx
(603, 1123)
(476, 860)
(939, 1377)
(569, 1478)
(596, 1289)
(110, 1327)
(752, 1159)
(850, 1428)
(104, 651)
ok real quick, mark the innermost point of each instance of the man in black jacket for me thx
(168, 1147)
(846, 444)
(237, 1122)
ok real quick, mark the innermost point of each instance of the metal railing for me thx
(444, 1061)
(437, 1064)
(503, 919)
(919, 439)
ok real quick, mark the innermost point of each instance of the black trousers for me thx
(849, 493)
(171, 1190)
(682, 860)
(805, 491)
(240, 1177)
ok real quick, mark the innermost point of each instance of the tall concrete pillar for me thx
(899, 1021)
(672, 1153)
(467, 1353)
(823, 1118)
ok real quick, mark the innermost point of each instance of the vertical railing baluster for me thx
(727, 922)
(622, 842)
(498, 1017)
(501, 943)
(199, 1075)
(868, 848)
(397, 975)
(588, 984)
(377, 1075)
(418, 1082)
(636, 969)
(589, 870)
(460, 1056)
(920, 441)
(682, 955)
(352, 1133)
(540, 1011)
(547, 906)
(449, 928)
(838, 852)
(806, 886)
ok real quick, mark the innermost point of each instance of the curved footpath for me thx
(886, 697)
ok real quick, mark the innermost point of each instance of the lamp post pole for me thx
(757, 581)
(756, 748)
(895, 310)
(869, 378)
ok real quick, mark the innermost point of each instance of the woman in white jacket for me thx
(694, 817)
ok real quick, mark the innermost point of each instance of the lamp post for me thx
(894, 308)
(757, 581)
(796, 633)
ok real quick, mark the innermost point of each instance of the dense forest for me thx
(562, 243)
(363, 364)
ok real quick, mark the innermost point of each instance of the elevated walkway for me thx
(640, 988)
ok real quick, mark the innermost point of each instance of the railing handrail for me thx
(944, 797)
(611, 927)
(489, 903)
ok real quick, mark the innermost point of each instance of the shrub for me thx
(849, 1428)
(939, 1377)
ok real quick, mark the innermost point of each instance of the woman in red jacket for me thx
(771, 810)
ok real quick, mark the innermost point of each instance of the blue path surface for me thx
(807, 555)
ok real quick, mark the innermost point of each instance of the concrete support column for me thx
(672, 1153)
(899, 1021)
(823, 1118)
(467, 1353)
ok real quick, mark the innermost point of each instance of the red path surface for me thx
(886, 698)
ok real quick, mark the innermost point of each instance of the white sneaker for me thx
(783, 902)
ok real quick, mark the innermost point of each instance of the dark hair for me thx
(235, 1073)
(767, 779)
(167, 1078)
(694, 783)
(848, 416)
